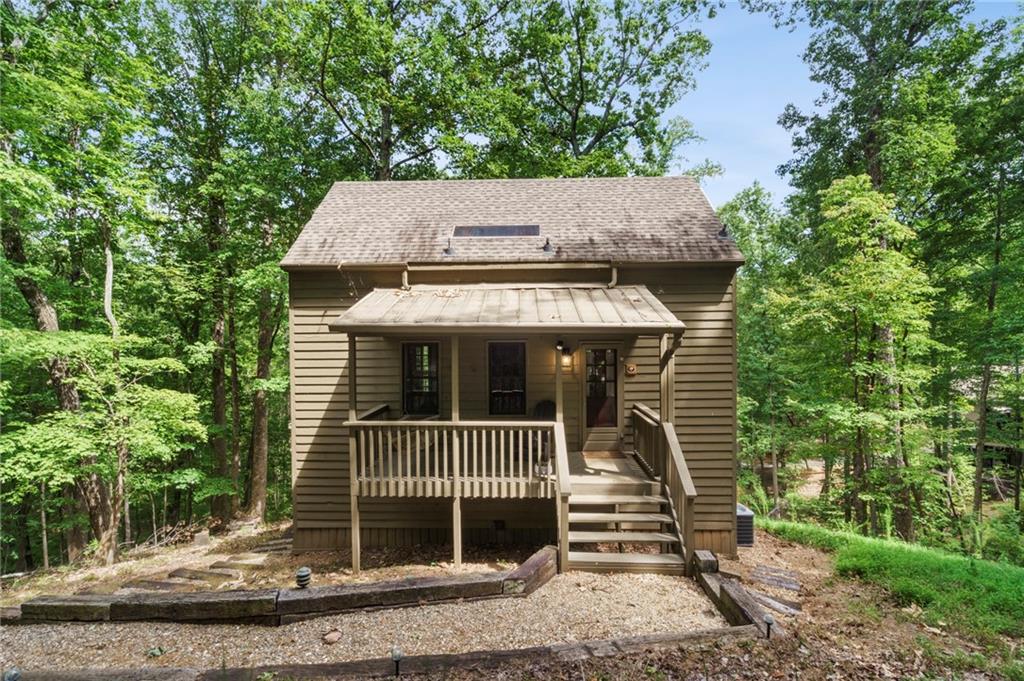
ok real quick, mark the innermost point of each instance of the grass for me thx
(977, 597)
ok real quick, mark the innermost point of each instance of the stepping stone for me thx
(159, 585)
(212, 577)
(778, 577)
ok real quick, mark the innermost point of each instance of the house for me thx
(516, 360)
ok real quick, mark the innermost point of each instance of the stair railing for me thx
(564, 491)
(657, 450)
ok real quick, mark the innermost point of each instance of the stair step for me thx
(669, 563)
(584, 537)
(610, 499)
(625, 517)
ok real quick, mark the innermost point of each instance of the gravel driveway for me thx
(571, 607)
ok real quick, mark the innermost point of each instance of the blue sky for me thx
(754, 70)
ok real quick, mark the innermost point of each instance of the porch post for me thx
(668, 378)
(352, 477)
(559, 400)
(456, 464)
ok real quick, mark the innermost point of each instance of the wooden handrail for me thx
(649, 414)
(374, 412)
(524, 425)
(677, 459)
(657, 449)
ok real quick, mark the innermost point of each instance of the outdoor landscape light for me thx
(302, 577)
(396, 657)
(768, 621)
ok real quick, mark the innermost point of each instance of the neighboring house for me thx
(516, 360)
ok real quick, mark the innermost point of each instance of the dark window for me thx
(419, 379)
(497, 230)
(506, 371)
(602, 400)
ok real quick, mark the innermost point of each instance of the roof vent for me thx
(547, 247)
(448, 250)
(496, 230)
(724, 233)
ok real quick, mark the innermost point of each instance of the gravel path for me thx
(571, 607)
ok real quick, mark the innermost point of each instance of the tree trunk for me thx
(269, 320)
(859, 455)
(23, 561)
(260, 408)
(45, 315)
(74, 507)
(220, 505)
(1018, 440)
(42, 525)
(986, 371)
(981, 436)
(232, 347)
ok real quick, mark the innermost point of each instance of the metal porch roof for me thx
(509, 308)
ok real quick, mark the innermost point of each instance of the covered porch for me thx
(475, 454)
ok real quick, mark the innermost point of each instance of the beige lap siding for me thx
(705, 388)
(702, 297)
(319, 392)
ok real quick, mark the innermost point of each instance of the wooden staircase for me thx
(620, 521)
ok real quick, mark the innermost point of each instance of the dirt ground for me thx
(277, 570)
(845, 630)
(571, 607)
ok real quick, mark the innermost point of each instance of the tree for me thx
(207, 52)
(70, 109)
(760, 232)
(124, 419)
(585, 86)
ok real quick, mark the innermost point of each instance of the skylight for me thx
(497, 230)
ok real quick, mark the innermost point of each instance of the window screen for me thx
(506, 363)
(419, 379)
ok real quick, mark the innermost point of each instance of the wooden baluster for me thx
(477, 482)
(446, 485)
(490, 453)
(503, 435)
(433, 467)
(361, 473)
(381, 461)
(391, 463)
(519, 464)
(417, 453)
(529, 464)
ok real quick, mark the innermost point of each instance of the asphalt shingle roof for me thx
(627, 219)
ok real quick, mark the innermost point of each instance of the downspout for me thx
(615, 277)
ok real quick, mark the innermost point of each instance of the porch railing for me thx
(657, 449)
(471, 459)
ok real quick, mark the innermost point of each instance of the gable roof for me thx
(618, 220)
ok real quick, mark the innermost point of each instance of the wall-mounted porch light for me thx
(566, 354)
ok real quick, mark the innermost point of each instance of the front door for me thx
(601, 392)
